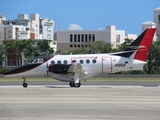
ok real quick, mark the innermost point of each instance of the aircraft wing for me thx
(76, 67)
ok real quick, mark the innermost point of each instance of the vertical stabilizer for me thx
(145, 43)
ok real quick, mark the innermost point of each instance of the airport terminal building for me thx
(69, 40)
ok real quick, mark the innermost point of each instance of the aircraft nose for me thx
(21, 69)
(10, 72)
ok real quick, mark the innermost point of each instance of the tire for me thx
(71, 84)
(78, 84)
(25, 85)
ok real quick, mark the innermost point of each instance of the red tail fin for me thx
(145, 44)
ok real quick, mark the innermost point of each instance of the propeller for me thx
(47, 68)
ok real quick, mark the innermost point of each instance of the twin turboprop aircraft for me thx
(75, 68)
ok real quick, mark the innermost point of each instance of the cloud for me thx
(100, 29)
(74, 27)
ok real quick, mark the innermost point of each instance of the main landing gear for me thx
(72, 84)
(76, 82)
(24, 83)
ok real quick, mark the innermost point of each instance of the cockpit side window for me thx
(40, 61)
(35, 61)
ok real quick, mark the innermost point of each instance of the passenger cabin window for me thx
(58, 62)
(52, 62)
(87, 61)
(94, 61)
(81, 61)
(65, 62)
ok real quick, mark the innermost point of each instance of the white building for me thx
(46, 29)
(1, 18)
(149, 24)
(22, 19)
(53, 45)
(69, 40)
(32, 26)
(157, 21)
(131, 36)
(9, 32)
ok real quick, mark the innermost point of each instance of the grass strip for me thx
(90, 79)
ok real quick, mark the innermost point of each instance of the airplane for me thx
(76, 68)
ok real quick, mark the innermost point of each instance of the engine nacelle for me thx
(59, 68)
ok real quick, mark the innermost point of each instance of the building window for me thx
(27, 29)
(75, 38)
(85, 37)
(71, 46)
(89, 37)
(49, 30)
(54, 43)
(117, 38)
(71, 38)
(78, 45)
(82, 38)
(93, 37)
(85, 45)
(82, 45)
(158, 19)
(78, 37)
(75, 45)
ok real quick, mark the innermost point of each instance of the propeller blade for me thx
(47, 67)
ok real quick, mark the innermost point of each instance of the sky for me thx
(126, 15)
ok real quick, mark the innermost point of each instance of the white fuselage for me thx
(93, 64)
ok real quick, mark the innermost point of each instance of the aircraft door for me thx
(106, 65)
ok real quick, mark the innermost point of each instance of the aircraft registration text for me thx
(120, 65)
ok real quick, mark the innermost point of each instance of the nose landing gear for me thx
(24, 83)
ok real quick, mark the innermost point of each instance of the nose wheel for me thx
(24, 83)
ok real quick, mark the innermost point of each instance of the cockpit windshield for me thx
(40, 59)
(37, 60)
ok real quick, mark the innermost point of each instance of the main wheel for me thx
(78, 84)
(71, 84)
(25, 85)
